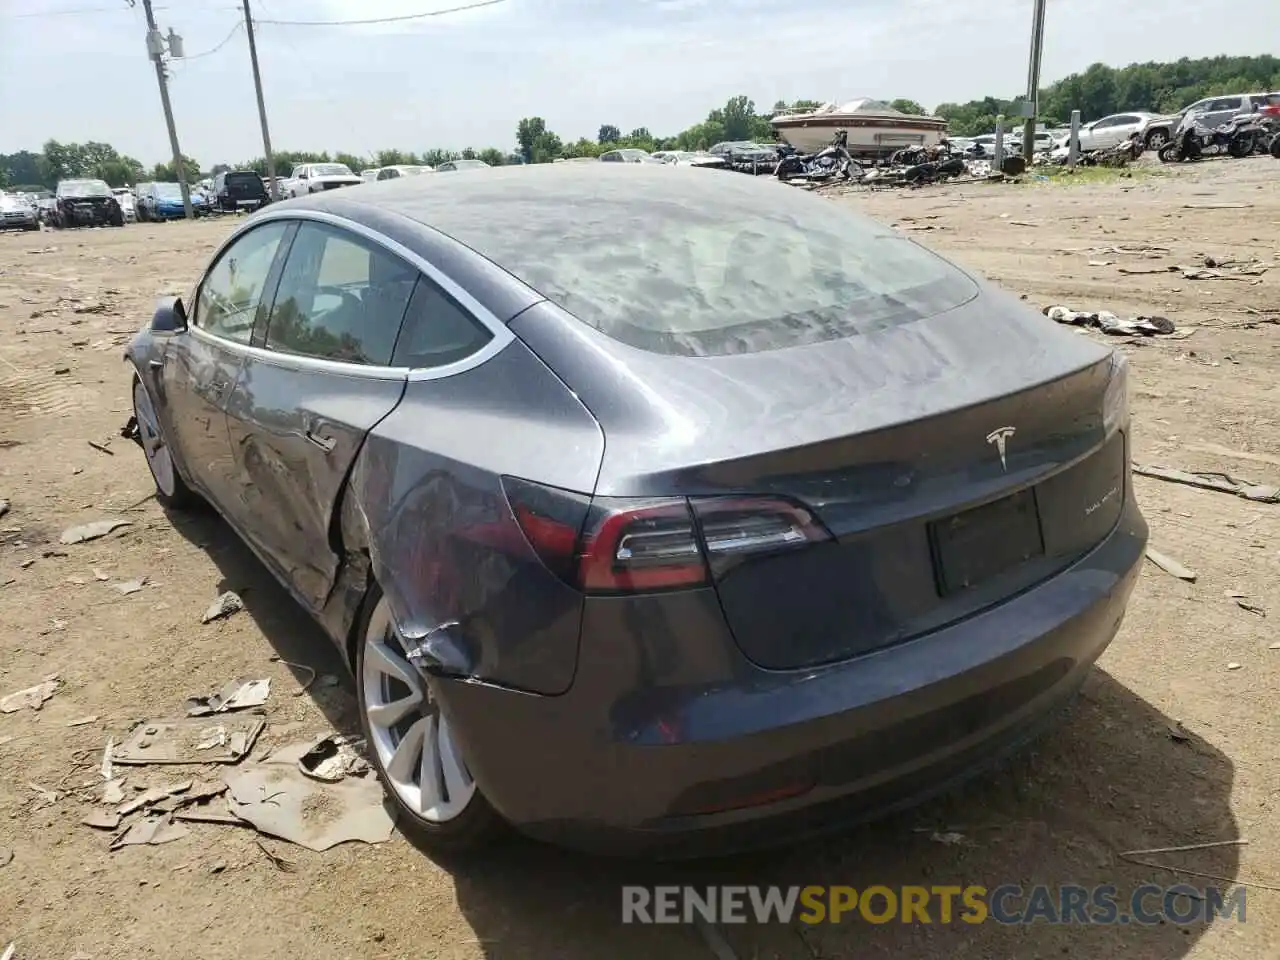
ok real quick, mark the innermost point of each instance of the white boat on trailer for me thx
(875, 129)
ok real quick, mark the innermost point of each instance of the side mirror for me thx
(170, 316)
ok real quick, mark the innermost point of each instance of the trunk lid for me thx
(956, 461)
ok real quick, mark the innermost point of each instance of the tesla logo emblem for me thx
(999, 436)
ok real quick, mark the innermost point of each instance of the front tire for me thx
(411, 743)
(1169, 153)
(1240, 147)
(171, 490)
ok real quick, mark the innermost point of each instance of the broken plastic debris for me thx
(1170, 565)
(130, 586)
(177, 741)
(224, 606)
(32, 697)
(153, 796)
(1222, 482)
(102, 819)
(81, 721)
(278, 799)
(91, 531)
(211, 737)
(237, 694)
(331, 758)
(113, 791)
(948, 839)
(152, 831)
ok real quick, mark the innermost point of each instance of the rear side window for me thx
(232, 290)
(688, 270)
(340, 298)
(437, 330)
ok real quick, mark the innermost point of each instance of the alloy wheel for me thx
(159, 460)
(414, 742)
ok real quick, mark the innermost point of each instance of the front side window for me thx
(340, 298)
(232, 290)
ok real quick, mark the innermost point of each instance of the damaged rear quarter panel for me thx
(443, 543)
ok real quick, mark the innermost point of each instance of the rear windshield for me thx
(685, 270)
(249, 178)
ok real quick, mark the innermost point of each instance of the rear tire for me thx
(405, 731)
(1157, 139)
(1169, 153)
(1275, 146)
(171, 490)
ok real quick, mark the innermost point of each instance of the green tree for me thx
(492, 156)
(165, 172)
(433, 158)
(908, 106)
(528, 131)
(546, 147)
(383, 158)
(608, 134)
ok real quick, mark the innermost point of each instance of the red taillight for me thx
(639, 545)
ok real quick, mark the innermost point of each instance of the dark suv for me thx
(239, 190)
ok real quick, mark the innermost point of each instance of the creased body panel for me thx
(458, 572)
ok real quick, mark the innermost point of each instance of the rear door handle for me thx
(324, 443)
(156, 364)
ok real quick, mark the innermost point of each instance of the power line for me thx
(398, 19)
(225, 40)
(72, 12)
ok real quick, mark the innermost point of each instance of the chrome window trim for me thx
(501, 335)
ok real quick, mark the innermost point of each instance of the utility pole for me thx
(155, 48)
(1033, 81)
(262, 107)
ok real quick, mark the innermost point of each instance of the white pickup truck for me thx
(314, 177)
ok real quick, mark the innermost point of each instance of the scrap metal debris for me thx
(92, 531)
(113, 792)
(297, 666)
(283, 864)
(1177, 732)
(1242, 601)
(130, 586)
(237, 694)
(177, 741)
(279, 800)
(1221, 482)
(32, 698)
(1109, 323)
(4, 507)
(81, 721)
(152, 831)
(224, 606)
(1170, 565)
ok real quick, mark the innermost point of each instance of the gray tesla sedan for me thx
(656, 512)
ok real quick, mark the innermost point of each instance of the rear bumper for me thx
(671, 744)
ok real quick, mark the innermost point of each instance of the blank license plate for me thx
(981, 543)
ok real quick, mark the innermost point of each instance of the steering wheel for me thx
(349, 300)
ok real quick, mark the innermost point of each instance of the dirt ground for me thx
(1112, 779)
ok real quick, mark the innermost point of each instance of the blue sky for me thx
(466, 79)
